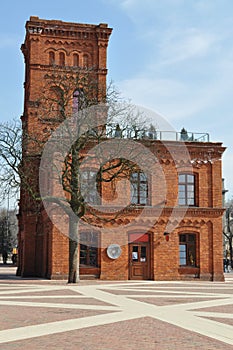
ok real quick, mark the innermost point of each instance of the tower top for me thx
(56, 28)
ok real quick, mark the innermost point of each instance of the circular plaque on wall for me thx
(114, 251)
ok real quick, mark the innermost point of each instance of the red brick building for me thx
(172, 231)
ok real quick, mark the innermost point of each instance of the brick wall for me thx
(43, 249)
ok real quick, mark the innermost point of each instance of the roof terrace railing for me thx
(134, 133)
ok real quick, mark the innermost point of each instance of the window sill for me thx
(188, 206)
(186, 270)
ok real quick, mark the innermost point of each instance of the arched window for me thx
(89, 187)
(75, 60)
(187, 249)
(139, 188)
(75, 101)
(61, 59)
(186, 189)
(51, 58)
(55, 103)
(85, 61)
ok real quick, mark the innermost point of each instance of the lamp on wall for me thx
(166, 234)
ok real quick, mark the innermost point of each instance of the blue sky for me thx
(172, 56)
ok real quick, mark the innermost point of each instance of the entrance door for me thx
(139, 261)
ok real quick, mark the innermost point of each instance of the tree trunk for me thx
(73, 251)
(230, 248)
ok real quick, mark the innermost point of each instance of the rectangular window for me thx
(89, 249)
(187, 249)
(186, 189)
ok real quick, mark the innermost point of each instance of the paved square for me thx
(98, 315)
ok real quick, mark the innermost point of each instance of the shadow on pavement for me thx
(8, 271)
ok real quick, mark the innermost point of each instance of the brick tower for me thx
(51, 47)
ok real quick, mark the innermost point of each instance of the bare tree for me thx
(77, 121)
(10, 158)
(228, 230)
(8, 230)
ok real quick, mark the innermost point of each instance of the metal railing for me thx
(134, 133)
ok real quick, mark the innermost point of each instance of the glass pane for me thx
(93, 257)
(92, 174)
(192, 256)
(182, 254)
(143, 254)
(182, 178)
(181, 188)
(143, 200)
(182, 201)
(182, 261)
(88, 187)
(134, 176)
(182, 248)
(134, 194)
(143, 187)
(190, 196)
(191, 238)
(134, 200)
(190, 201)
(84, 175)
(83, 254)
(92, 197)
(134, 188)
(135, 253)
(143, 193)
(182, 239)
(143, 177)
(190, 188)
(190, 178)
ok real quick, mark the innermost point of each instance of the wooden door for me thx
(139, 261)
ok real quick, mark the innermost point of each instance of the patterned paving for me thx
(110, 316)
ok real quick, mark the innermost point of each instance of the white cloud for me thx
(185, 44)
(175, 99)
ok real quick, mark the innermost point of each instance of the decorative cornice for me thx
(159, 212)
(68, 43)
(77, 31)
